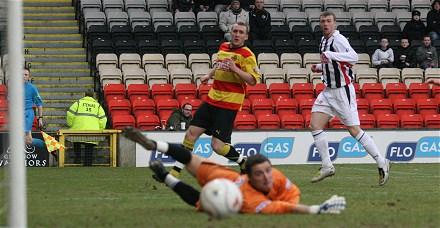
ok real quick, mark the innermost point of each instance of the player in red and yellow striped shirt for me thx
(236, 66)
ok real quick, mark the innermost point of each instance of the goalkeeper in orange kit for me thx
(265, 189)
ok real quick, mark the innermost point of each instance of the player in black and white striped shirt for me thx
(338, 98)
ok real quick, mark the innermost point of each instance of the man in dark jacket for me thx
(259, 22)
(404, 56)
(183, 6)
(178, 117)
(433, 21)
(414, 29)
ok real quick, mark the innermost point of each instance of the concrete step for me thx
(48, 23)
(47, 2)
(65, 104)
(61, 95)
(47, 16)
(58, 65)
(54, 37)
(48, 9)
(55, 114)
(55, 127)
(56, 58)
(53, 44)
(51, 30)
(61, 72)
(64, 88)
(70, 51)
(61, 80)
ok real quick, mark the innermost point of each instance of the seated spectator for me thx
(203, 6)
(404, 56)
(247, 5)
(259, 22)
(383, 57)
(178, 117)
(232, 16)
(183, 6)
(426, 54)
(433, 21)
(414, 29)
(221, 5)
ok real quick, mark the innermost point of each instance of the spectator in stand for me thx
(232, 16)
(426, 54)
(203, 6)
(259, 22)
(247, 5)
(383, 57)
(433, 20)
(435, 81)
(180, 116)
(404, 56)
(414, 29)
(221, 5)
(183, 6)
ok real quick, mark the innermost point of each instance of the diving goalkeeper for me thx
(265, 189)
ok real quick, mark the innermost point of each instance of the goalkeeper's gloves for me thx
(334, 205)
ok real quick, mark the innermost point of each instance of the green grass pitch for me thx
(129, 197)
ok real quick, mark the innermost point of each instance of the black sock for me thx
(177, 169)
(179, 153)
(187, 193)
(232, 154)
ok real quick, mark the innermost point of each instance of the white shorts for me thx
(340, 102)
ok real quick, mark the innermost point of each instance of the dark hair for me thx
(255, 160)
(25, 68)
(435, 1)
(183, 106)
(90, 93)
(426, 36)
(243, 24)
(328, 13)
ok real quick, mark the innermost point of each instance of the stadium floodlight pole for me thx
(17, 178)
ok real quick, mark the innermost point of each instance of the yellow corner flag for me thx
(51, 143)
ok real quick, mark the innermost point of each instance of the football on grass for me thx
(221, 198)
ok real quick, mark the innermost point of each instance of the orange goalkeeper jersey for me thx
(228, 90)
(282, 198)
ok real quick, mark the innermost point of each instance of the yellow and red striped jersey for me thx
(228, 90)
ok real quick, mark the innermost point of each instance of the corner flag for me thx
(51, 143)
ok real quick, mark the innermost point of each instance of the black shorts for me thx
(218, 122)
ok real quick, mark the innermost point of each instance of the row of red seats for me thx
(276, 91)
(294, 121)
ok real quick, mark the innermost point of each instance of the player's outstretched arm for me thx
(334, 205)
(435, 81)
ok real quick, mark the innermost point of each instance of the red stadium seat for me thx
(4, 106)
(357, 89)
(372, 91)
(245, 107)
(245, 121)
(307, 120)
(262, 106)
(258, 91)
(143, 107)
(363, 106)
(4, 120)
(367, 121)
(302, 91)
(411, 121)
(396, 90)
(195, 103)
(138, 92)
(120, 121)
(305, 106)
(435, 92)
(161, 91)
(404, 106)
(268, 121)
(3, 91)
(427, 106)
(432, 121)
(166, 107)
(186, 91)
(380, 106)
(114, 92)
(319, 88)
(336, 123)
(419, 90)
(35, 124)
(388, 121)
(292, 121)
(286, 107)
(119, 107)
(279, 91)
(147, 122)
(203, 91)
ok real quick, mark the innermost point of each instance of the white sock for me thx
(321, 144)
(179, 165)
(171, 181)
(162, 146)
(369, 145)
